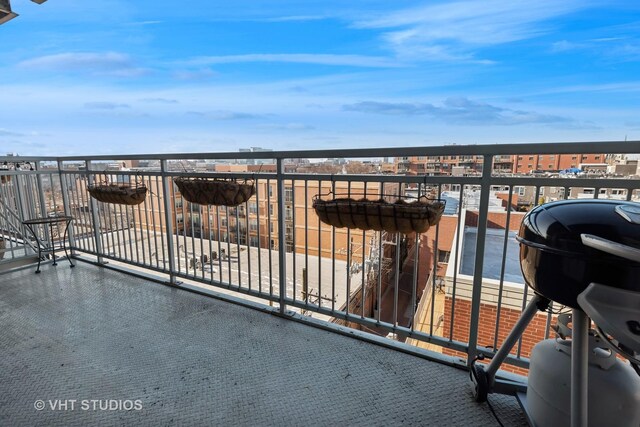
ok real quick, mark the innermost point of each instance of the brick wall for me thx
(534, 333)
(496, 220)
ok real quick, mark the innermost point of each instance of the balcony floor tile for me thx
(94, 334)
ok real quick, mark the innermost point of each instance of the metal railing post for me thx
(42, 200)
(95, 220)
(282, 246)
(22, 212)
(65, 204)
(166, 185)
(483, 213)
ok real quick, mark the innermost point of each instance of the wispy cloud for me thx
(224, 115)
(103, 105)
(295, 18)
(159, 100)
(144, 23)
(461, 111)
(294, 127)
(194, 75)
(454, 30)
(6, 133)
(304, 58)
(109, 63)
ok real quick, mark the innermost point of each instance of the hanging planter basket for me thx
(219, 192)
(122, 194)
(380, 215)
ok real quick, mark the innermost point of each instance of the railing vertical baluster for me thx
(349, 260)
(319, 251)
(485, 186)
(160, 220)
(95, 220)
(166, 185)
(293, 237)
(259, 234)
(305, 276)
(43, 205)
(456, 258)
(363, 286)
(333, 258)
(282, 247)
(65, 203)
(269, 239)
(503, 267)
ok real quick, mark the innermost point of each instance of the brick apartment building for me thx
(525, 163)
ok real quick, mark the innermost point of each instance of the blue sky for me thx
(111, 76)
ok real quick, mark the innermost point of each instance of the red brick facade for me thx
(486, 331)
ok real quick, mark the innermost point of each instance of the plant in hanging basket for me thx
(380, 215)
(220, 192)
(122, 194)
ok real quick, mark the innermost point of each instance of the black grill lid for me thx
(557, 226)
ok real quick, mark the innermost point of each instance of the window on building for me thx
(519, 190)
(253, 241)
(530, 157)
(270, 191)
(443, 256)
(253, 207)
(253, 225)
(271, 227)
(597, 157)
(270, 209)
(288, 194)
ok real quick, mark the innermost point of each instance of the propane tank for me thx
(614, 387)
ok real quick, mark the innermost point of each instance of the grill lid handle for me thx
(613, 248)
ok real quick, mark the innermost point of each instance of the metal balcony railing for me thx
(393, 285)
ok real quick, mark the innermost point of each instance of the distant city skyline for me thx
(118, 77)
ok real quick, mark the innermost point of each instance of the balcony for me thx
(343, 326)
(95, 334)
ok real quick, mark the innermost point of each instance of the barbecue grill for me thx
(559, 265)
(583, 254)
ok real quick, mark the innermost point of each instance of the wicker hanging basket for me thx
(220, 192)
(380, 215)
(122, 194)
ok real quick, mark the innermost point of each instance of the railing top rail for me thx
(618, 147)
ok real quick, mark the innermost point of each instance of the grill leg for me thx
(484, 380)
(579, 368)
